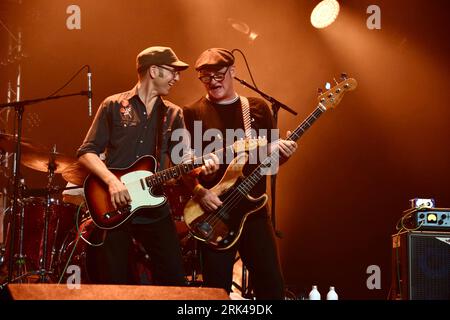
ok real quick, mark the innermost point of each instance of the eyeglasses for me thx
(218, 76)
(174, 72)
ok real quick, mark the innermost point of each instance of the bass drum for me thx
(81, 250)
(61, 219)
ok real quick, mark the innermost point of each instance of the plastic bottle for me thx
(332, 295)
(314, 294)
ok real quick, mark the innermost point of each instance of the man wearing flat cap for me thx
(128, 126)
(222, 109)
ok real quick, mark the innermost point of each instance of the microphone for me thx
(89, 93)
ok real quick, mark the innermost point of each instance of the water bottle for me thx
(332, 295)
(314, 294)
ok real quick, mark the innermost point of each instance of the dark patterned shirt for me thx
(124, 131)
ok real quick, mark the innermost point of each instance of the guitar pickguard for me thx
(140, 193)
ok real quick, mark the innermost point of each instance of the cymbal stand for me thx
(15, 55)
(51, 173)
(16, 194)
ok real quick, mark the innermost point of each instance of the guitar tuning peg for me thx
(328, 86)
(344, 76)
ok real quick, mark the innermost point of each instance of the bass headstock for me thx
(333, 96)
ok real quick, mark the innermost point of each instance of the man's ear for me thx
(152, 72)
(233, 71)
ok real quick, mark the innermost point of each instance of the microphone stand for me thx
(19, 104)
(276, 105)
(20, 108)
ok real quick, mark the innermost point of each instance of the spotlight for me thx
(252, 35)
(324, 13)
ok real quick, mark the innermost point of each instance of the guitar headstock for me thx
(249, 144)
(332, 97)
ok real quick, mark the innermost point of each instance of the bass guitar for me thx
(221, 228)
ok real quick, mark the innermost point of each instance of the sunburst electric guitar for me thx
(221, 228)
(140, 181)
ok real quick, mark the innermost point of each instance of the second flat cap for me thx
(214, 57)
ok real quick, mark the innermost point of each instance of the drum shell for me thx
(30, 235)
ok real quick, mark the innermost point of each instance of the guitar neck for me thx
(175, 172)
(171, 173)
(248, 183)
(307, 123)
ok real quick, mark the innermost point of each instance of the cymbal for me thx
(8, 143)
(42, 161)
(75, 173)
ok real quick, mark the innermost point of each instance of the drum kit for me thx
(34, 233)
(51, 231)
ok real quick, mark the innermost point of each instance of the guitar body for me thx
(221, 229)
(98, 199)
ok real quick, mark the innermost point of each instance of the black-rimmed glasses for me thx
(218, 76)
(174, 72)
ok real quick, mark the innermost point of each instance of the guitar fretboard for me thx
(248, 183)
(177, 171)
(171, 173)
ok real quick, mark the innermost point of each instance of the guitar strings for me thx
(235, 196)
(156, 176)
(159, 177)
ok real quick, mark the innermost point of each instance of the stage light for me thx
(324, 13)
(252, 35)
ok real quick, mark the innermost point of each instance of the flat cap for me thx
(214, 57)
(159, 56)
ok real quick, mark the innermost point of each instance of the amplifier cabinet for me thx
(421, 265)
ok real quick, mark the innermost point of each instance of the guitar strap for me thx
(245, 106)
(162, 118)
